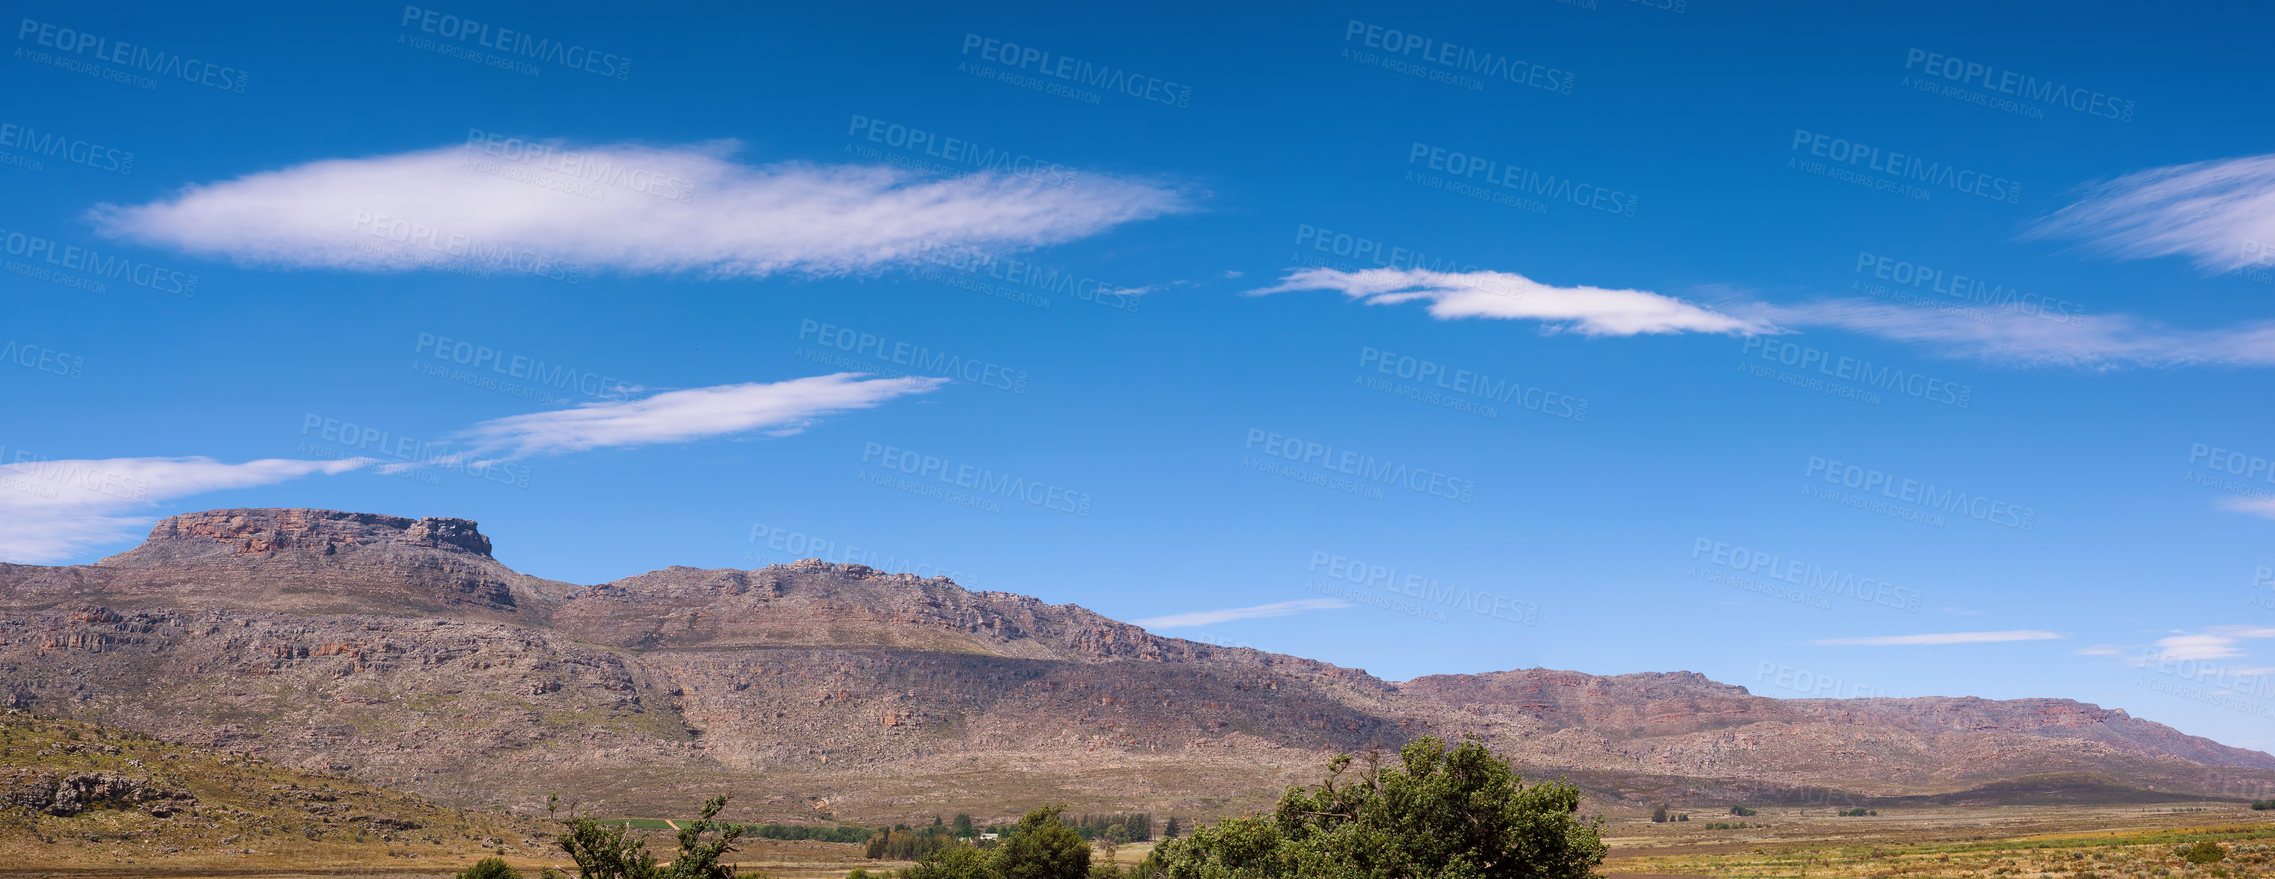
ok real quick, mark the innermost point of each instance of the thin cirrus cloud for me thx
(1211, 617)
(622, 207)
(2218, 642)
(1588, 311)
(2009, 337)
(2219, 213)
(2084, 340)
(2262, 507)
(56, 509)
(1938, 639)
(777, 408)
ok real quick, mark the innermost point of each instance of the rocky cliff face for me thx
(298, 561)
(399, 650)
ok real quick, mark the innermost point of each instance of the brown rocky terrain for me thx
(398, 651)
(75, 796)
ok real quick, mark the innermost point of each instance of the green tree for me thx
(962, 826)
(489, 868)
(1171, 830)
(1659, 814)
(1439, 813)
(603, 851)
(1041, 847)
(953, 862)
(698, 859)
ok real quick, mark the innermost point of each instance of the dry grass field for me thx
(2024, 842)
(2019, 842)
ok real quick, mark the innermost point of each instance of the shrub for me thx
(489, 868)
(2203, 852)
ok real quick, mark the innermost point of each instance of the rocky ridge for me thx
(400, 651)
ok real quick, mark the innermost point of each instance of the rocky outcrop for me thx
(258, 532)
(301, 561)
(65, 794)
(399, 650)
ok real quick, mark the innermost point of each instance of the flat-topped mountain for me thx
(399, 650)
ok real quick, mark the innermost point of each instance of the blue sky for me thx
(1889, 351)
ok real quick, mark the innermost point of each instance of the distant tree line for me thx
(820, 832)
(2263, 805)
(1124, 827)
(905, 844)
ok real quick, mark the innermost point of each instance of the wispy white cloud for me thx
(623, 207)
(2220, 213)
(1588, 311)
(777, 408)
(56, 509)
(1938, 639)
(2098, 650)
(2261, 507)
(2097, 340)
(2218, 642)
(53, 510)
(1210, 617)
(2092, 341)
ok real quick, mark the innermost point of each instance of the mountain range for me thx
(400, 651)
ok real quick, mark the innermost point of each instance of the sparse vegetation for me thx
(233, 809)
(2184, 852)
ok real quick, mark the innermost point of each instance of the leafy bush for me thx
(489, 868)
(1433, 812)
(1741, 811)
(2203, 852)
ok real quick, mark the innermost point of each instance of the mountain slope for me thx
(399, 650)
